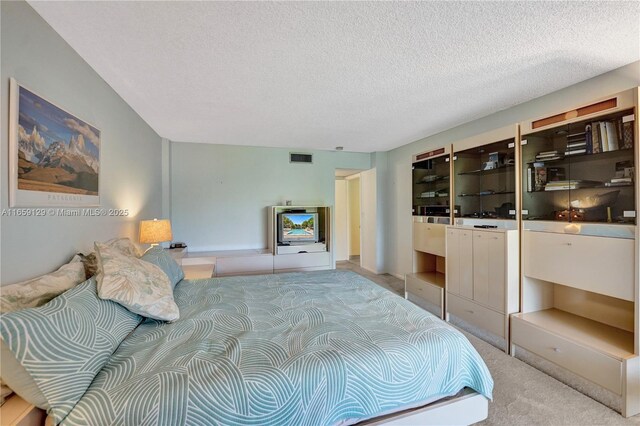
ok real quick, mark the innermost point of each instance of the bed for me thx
(313, 348)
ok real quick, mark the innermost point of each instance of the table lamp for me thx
(155, 231)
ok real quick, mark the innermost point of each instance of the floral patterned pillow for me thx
(38, 291)
(139, 286)
(125, 246)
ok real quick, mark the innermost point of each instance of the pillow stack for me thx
(51, 353)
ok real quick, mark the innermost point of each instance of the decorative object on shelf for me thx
(598, 200)
(504, 209)
(573, 215)
(54, 157)
(155, 231)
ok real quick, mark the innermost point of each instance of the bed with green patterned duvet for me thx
(318, 348)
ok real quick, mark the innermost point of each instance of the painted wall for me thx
(398, 206)
(341, 224)
(130, 175)
(220, 193)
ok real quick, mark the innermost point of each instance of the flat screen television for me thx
(297, 228)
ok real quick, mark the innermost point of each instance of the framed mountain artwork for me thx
(54, 157)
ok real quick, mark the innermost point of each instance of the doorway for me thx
(355, 218)
(347, 215)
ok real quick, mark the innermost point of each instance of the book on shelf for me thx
(588, 139)
(612, 135)
(604, 142)
(610, 184)
(555, 174)
(622, 180)
(570, 184)
(540, 178)
(575, 151)
(580, 144)
(548, 155)
(627, 135)
(595, 138)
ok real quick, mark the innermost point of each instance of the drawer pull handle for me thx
(556, 349)
(469, 310)
(569, 244)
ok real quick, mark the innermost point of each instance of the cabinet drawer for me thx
(301, 260)
(475, 314)
(588, 363)
(431, 293)
(429, 238)
(244, 265)
(597, 264)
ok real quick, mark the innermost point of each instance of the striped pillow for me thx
(51, 354)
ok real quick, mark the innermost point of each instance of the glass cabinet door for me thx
(484, 181)
(581, 172)
(431, 187)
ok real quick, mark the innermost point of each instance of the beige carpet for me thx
(523, 395)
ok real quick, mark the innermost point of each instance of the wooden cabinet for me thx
(597, 264)
(429, 238)
(570, 351)
(459, 242)
(489, 269)
(425, 285)
(580, 273)
(482, 277)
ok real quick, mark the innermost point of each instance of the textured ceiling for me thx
(369, 76)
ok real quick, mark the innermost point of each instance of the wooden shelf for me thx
(606, 339)
(434, 278)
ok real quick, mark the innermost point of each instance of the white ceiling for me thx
(369, 76)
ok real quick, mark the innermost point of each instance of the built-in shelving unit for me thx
(579, 254)
(484, 170)
(425, 285)
(431, 184)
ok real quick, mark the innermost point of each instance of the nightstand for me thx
(198, 265)
(177, 253)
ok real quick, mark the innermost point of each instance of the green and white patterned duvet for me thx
(317, 348)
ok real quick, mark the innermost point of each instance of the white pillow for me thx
(38, 291)
(139, 286)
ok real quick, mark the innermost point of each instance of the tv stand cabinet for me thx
(310, 256)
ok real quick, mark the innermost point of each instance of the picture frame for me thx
(54, 156)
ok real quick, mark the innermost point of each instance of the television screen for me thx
(298, 227)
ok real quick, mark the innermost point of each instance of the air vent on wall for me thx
(300, 158)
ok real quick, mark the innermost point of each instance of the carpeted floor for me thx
(523, 395)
